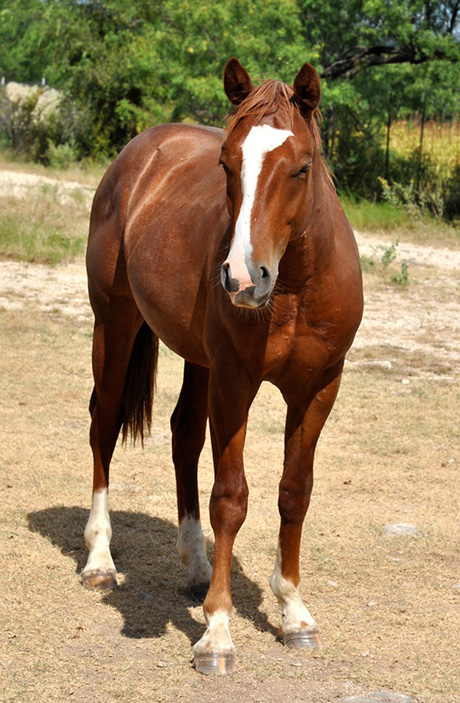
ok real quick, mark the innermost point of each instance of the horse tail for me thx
(140, 385)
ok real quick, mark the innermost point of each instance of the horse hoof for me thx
(210, 663)
(303, 639)
(198, 591)
(100, 579)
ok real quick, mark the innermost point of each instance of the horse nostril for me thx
(264, 272)
(230, 284)
(264, 284)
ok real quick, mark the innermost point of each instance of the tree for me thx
(379, 59)
(366, 33)
(125, 66)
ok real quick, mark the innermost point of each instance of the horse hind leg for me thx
(124, 362)
(188, 425)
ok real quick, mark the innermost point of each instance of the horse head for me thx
(269, 154)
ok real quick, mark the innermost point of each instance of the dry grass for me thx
(42, 219)
(87, 173)
(387, 609)
(42, 230)
(441, 142)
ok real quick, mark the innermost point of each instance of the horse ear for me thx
(237, 83)
(307, 89)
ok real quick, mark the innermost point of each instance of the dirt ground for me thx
(388, 606)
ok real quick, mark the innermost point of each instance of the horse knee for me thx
(293, 504)
(229, 505)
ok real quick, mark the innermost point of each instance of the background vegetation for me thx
(389, 73)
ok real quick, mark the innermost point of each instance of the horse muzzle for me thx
(250, 288)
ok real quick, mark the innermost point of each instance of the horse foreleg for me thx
(303, 427)
(188, 425)
(230, 397)
(111, 353)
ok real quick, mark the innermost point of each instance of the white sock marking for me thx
(260, 140)
(217, 636)
(98, 533)
(192, 551)
(295, 615)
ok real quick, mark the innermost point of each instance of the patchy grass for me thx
(43, 226)
(385, 218)
(382, 263)
(366, 216)
(86, 172)
(388, 608)
(30, 241)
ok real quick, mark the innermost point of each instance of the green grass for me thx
(366, 216)
(40, 242)
(42, 228)
(386, 218)
(47, 223)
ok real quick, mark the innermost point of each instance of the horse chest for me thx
(293, 347)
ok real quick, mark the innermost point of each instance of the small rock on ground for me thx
(382, 696)
(401, 528)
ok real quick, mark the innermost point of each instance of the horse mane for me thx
(272, 96)
(266, 99)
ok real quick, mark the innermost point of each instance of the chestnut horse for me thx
(181, 206)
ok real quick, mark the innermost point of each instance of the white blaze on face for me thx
(259, 142)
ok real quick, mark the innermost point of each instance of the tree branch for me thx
(453, 19)
(349, 66)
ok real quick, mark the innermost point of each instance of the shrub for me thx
(61, 155)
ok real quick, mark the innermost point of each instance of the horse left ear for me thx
(237, 83)
(307, 89)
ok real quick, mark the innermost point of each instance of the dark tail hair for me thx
(140, 385)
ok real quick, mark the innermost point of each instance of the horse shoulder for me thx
(311, 331)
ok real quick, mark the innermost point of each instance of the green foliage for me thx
(418, 202)
(61, 155)
(22, 123)
(123, 67)
(401, 278)
(389, 254)
(381, 263)
(128, 67)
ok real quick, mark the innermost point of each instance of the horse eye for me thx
(303, 170)
(224, 166)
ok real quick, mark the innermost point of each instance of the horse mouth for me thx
(246, 299)
(251, 291)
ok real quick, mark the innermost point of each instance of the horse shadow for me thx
(152, 593)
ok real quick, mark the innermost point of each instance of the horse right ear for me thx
(237, 83)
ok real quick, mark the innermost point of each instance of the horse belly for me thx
(169, 274)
